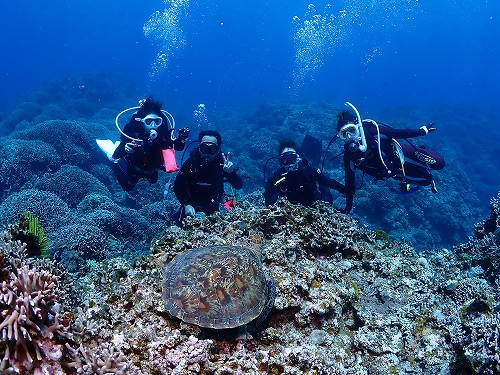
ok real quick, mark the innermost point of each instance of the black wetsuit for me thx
(200, 182)
(147, 158)
(417, 160)
(300, 186)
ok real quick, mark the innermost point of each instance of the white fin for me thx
(108, 147)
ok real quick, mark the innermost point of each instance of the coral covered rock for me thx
(347, 301)
(484, 249)
(21, 161)
(71, 184)
(75, 243)
(51, 211)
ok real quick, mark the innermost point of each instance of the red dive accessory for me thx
(230, 204)
(169, 160)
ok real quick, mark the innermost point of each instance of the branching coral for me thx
(484, 345)
(15, 254)
(104, 359)
(29, 321)
(33, 322)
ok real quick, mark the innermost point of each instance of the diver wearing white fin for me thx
(147, 144)
(373, 149)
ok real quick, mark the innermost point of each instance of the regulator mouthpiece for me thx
(153, 134)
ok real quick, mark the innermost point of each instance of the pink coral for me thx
(181, 356)
(28, 323)
(104, 359)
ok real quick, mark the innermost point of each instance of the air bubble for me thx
(164, 31)
(318, 36)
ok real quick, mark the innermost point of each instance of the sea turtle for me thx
(218, 287)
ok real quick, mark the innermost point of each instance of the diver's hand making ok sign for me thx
(228, 164)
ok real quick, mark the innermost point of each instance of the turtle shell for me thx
(215, 286)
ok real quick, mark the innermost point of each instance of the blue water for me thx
(397, 52)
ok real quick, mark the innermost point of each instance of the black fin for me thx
(312, 150)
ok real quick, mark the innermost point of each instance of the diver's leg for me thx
(416, 174)
(424, 157)
(325, 193)
(123, 175)
(153, 177)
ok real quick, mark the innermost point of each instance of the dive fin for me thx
(312, 150)
(108, 147)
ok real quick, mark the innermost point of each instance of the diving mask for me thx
(151, 121)
(349, 132)
(208, 148)
(288, 158)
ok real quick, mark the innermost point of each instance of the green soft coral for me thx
(31, 227)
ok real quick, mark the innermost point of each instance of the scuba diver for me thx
(374, 149)
(298, 180)
(199, 185)
(147, 144)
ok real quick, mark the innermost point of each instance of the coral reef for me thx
(483, 250)
(51, 211)
(71, 184)
(75, 141)
(75, 243)
(347, 302)
(22, 161)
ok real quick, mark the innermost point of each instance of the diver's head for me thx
(345, 117)
(288, 156)
(150, 115)
(348, 130)
(210, 142)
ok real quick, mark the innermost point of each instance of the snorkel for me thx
(361, 139)
(152, 133)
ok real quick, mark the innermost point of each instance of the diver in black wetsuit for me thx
(297, 180)
(199, 186)
(144, 156)
(374, 149)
